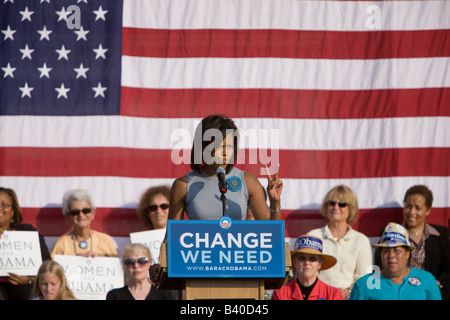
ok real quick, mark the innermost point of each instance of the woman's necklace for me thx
(83, 244)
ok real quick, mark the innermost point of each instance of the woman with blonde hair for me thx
(350, 247)
(51, 283)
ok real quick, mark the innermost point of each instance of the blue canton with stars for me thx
(60, 57)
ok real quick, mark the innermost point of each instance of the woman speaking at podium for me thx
(197, 193)
(200, 193)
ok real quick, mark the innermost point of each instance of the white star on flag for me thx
(100, 52)
(81, 71)
(63, 52)
(100, 14)
(45, 34)
(26, 90)
(8, 33)
(9, 71)
(62, 91)
(44, 70)
(99, 90)
(26, 52)
(26, 15)
(81, 33)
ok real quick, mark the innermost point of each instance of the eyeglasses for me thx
(154, 207)
(5, 206)
(77, 212)
(141, 262)
(340, 204)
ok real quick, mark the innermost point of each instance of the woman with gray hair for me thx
(79, 209)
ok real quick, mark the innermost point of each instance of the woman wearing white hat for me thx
(307, 261)
(396, 281)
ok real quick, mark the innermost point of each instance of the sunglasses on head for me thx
(340, 204)
(141, 262)
(77, 212)
(154, 207)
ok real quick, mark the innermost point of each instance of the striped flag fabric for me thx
(105, 95)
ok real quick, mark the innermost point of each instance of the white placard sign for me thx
(20, 253)
(91, 278)
(152, 239)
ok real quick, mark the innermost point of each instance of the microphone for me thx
(220, 172)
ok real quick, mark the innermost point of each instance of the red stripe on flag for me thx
(302, 164)
(285, 43)
(306, 104)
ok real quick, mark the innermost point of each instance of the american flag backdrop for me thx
(105, 95)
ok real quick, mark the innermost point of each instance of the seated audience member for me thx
(16, 287)
(51, 283)
(153, 207)
(79, 208)
(136, 261)
(307, 261)
(431, 241)
(351, 248)
(397, 281)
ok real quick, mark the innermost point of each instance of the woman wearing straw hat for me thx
(307, 261)
(397, 281)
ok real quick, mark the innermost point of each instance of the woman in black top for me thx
(16, 287)
(136, 261)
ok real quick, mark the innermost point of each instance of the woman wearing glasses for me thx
(351, 248)
(136, 261)
(153, 207)
(79, 209)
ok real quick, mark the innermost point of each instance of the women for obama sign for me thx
(20, 253)
(91, 278)
(225, 248)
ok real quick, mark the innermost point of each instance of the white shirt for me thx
(353, 253)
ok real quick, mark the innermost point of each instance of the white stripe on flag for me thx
(297, 193)
(169, 133)
(307, 74)
(287, 14)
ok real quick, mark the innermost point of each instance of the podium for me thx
(221, 286)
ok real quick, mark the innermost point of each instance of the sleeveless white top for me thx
(203, 196)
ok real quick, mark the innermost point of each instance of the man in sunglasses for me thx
(79, 209)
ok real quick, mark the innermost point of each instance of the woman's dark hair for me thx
(146, 199)
(213, 126)
(423, 191)
(18, 216)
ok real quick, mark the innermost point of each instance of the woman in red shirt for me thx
(307, 260)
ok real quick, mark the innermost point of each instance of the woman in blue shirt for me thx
(396, 281)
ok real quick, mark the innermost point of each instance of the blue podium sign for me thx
(225, 248)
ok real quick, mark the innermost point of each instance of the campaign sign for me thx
(225, 248)
(152, 239)
(20, 253)
(91, 278)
